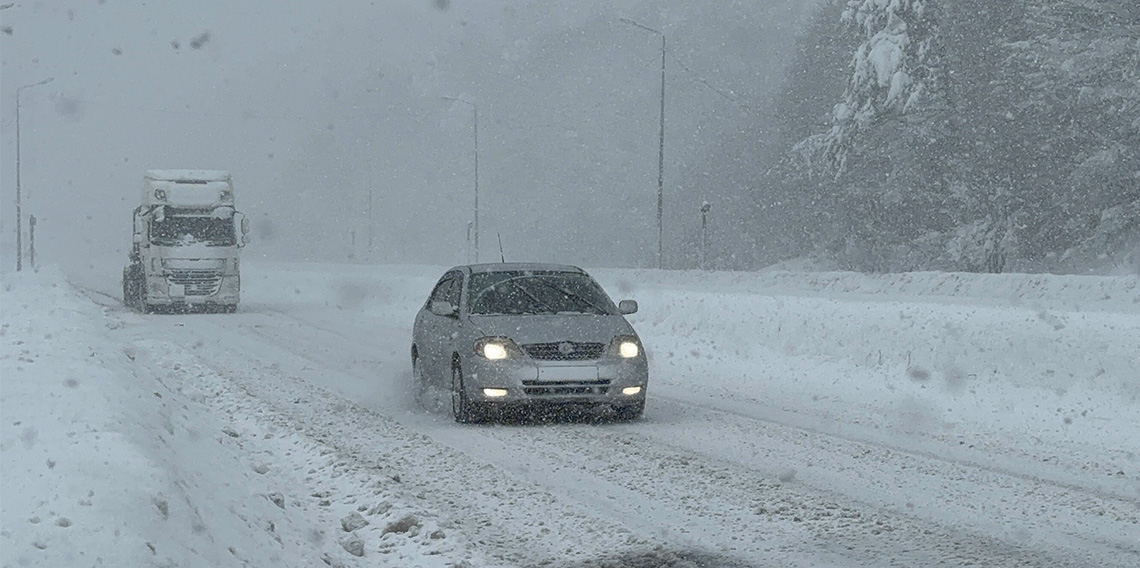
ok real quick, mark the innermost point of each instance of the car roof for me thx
(517, 266)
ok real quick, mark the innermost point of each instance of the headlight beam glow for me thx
(628, 349)
(494, 351)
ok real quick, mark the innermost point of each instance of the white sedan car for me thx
(501, 336)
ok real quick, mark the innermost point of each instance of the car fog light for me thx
(629, 391)
(494, 393)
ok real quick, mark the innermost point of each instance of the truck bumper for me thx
(163, 291)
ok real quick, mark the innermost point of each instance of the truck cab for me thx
(186, 238)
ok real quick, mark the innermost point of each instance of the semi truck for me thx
(186, 238)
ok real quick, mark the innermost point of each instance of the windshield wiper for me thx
(581, 301)
(513, 281)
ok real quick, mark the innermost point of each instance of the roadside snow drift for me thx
(794, 419)
(135, 454)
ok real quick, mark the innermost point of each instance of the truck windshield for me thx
(186, 230)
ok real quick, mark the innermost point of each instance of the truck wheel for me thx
(145, 306)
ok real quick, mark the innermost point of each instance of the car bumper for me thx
(610, 381)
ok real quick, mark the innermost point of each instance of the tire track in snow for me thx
(566, 447)
(511, 519)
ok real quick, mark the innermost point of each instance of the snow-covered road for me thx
(794, 419)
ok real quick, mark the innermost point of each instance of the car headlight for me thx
(497, 348)
(626, 346)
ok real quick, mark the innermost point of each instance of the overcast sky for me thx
(320, 108)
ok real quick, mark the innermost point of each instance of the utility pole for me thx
(19, 205)
(705, 207)
(469, 242)
(370, 253)
(32, 241)
(660, 150)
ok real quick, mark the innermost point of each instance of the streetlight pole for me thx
(19, 209)
(705, 207)
(475, 115)
(369, 218)
(660, 149)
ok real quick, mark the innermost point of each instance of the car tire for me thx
(419, 387)
(465, 411)
(630, 412)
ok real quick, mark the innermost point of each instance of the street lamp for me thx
(19, 210)
(660, 146)
(475, 114)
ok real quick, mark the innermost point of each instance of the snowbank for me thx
(1073, 292)
(115, 453)
(930, 361)
(104, 464)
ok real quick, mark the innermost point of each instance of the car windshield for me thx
(186, 230)
(537, 292)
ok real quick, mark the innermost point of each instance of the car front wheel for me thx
(465, 411)
(418, 379)
(630, 412)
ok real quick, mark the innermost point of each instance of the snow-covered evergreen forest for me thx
(964, 135)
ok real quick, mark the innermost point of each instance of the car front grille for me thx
(556, 388)
(197, 282)
(564, 351)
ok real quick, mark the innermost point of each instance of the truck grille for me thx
(197, 282)
(555, 388)
(564, 351)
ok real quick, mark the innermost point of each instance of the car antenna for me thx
(502, 256)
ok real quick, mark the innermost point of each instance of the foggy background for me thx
(321, 109)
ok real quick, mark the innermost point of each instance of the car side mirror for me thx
(443, 308)
(627, 307)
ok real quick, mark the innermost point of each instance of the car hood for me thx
(552, 328)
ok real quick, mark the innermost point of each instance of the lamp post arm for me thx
(635, 24)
